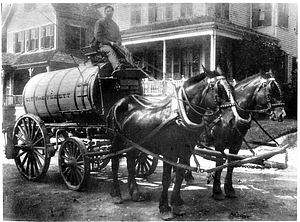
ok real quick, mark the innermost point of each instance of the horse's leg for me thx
(132, 185)
(217, 191)
(189, 177)
(228, 188)
(176, 200)
(115, 190)
(164, 208)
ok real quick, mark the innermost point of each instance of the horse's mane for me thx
(250, 79)
(195, 79)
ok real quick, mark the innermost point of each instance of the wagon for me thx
(66, 113)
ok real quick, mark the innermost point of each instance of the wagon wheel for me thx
(73, 165)
(145, 165)
(31, 144)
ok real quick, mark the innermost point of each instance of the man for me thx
(108, 39)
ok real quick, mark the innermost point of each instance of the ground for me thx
(263, 194)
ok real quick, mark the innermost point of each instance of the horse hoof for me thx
(117, 200)
(179, 210)
(167, 215)
(138, 197)
(219, 196)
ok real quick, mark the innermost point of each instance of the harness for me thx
(265, 84)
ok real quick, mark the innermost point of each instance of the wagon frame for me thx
(84, 147)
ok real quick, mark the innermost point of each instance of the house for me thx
(41, 37)
(172, 40)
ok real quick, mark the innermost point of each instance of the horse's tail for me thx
(114, 116)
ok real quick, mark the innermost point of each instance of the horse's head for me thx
(209, 94)
(268, 97)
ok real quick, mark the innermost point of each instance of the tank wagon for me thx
(66, 112)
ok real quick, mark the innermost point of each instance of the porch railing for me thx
(151, 88)
(13, 100)
(160, 87)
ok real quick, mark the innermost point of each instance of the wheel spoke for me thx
(24, 160)
(38, 158)
(65, 157)
(22, 132)
(41, 138)
(25, 128)
(21, 153)
(36, 133)
(20, 138)
(39, 148)
(35, 163)
(147, 163)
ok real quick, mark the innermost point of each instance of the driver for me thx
(107, 39)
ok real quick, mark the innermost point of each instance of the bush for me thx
(289, 91)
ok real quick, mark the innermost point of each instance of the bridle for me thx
(183, 98)
(265, 85)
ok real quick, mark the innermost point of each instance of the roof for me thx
(45, 57)
(75, 9)
(9, 58)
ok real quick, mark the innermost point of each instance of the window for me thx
(186, 9)
(283, 15)
(261, 14)
(19, 42)
(156, 12)
(136, 14)
(222, 10)
(32, 39)
(75, 37)
(169, 11)
(47, 36)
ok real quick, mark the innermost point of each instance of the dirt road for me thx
(266, 194)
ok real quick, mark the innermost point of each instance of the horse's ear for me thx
(206, 72)
(219, 71)
(204, 69)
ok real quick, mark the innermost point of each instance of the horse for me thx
(259, 93)
(174, 131)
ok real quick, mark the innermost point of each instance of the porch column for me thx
(164, 59)
(213, 48)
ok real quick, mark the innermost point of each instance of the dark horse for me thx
(259, 93)
(174, 131)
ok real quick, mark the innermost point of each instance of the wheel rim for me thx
(145, 165)
(30, 142)
(73, 164)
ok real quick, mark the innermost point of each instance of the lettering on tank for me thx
(48, 97)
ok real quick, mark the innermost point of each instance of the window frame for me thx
(19, 42)
(186, 10)
(47, 36)
(79, 38)
(260, 10)
(135, 14)
(283, 15)
(222, 10)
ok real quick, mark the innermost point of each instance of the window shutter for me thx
(268, 14)
(255, 14)
(169, 11)
(151, 12)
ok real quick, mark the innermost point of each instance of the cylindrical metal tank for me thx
(62, 95)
